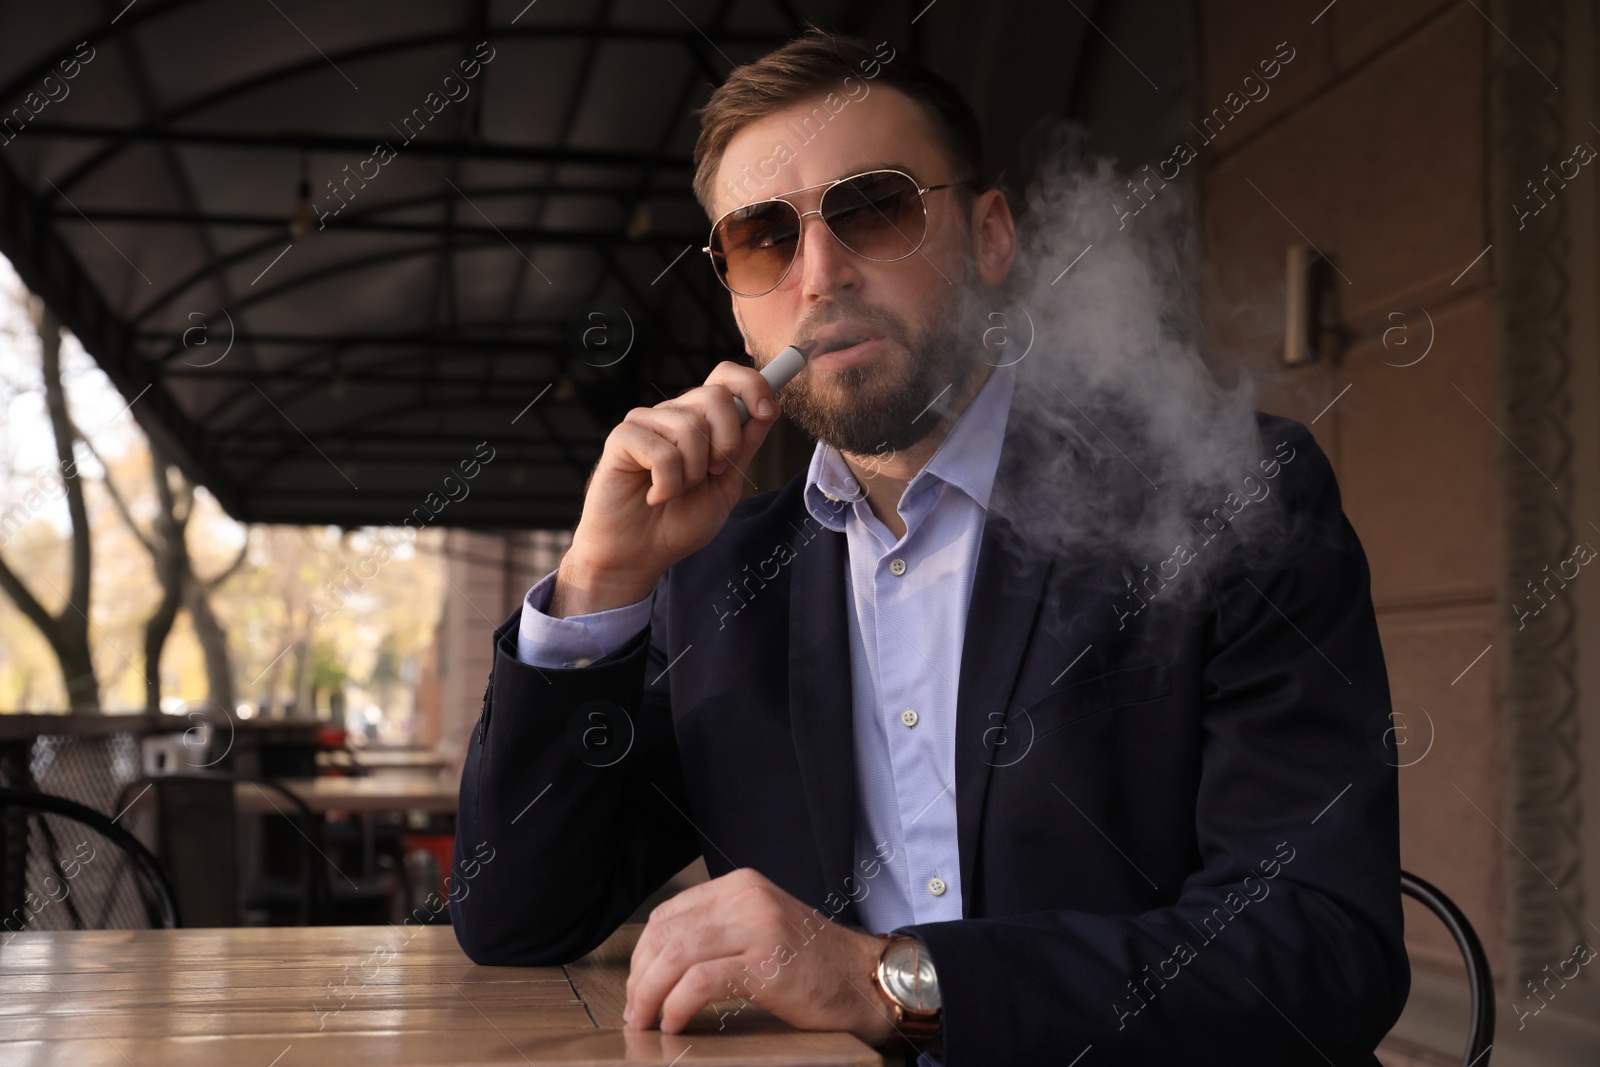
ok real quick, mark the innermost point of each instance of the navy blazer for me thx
(1184, 849)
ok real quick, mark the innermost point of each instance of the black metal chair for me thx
(1480, 982)
(345, 900)
(165, 911)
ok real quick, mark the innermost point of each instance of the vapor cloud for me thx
(1127, 440)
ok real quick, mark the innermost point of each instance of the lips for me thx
(840, 336)
(849, 354)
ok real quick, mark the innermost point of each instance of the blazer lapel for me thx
(821, 705)
(1007, 590)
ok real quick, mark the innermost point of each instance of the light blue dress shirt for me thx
(910, 597)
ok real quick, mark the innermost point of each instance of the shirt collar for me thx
(966, 458)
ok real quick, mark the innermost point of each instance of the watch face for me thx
(908, 975)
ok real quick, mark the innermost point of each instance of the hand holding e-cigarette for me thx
(784, 366)
(666, 481)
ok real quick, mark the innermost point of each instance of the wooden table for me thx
(381, 793)
(386, 761)
(260, 998)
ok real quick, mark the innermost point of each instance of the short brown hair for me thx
(815, 63)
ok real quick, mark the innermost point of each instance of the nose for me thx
(826, 266)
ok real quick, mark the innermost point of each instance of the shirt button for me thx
(909, 717)
(831, 497)
(583, 661)
(897, 567)
(936, 886)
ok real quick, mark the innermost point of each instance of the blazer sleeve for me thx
(1285, 945)
(565, 824)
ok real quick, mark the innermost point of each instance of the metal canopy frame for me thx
(363, 368)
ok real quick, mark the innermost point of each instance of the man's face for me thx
(877, 398)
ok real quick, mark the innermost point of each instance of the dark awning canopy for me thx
(502, 243)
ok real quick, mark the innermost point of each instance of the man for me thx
(1152, 836)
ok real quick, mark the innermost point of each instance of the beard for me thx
(887, 404)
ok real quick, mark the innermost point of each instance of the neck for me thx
(885, 477)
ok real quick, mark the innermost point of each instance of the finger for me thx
(712, 899)
(646, 450)
(700, 985)
(706, 430)
(727, 435)
(747, 439)
(668, 917)
(694, 941)
(682, 423)
(748, 385)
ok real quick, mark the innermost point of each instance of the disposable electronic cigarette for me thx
(784, 366)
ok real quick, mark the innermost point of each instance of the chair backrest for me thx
(22, 809)
(1480, 982)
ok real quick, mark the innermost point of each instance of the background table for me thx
(260, 997)
(386, 761)
(380, 793)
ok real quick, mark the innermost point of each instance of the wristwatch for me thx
(906, 978)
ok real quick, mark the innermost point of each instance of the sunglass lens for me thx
(877, 215)
(757, 243)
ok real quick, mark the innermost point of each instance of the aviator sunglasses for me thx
(878, 215)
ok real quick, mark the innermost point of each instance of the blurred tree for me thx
(385, 675)
(328, 675)
(197, 594)
(181, 587)
(296, 612)
(165, 544)
(68, 630)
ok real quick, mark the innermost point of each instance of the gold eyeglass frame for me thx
(921, 190)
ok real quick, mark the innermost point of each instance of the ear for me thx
(994, 236)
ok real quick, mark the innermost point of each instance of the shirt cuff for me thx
(577, 640)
